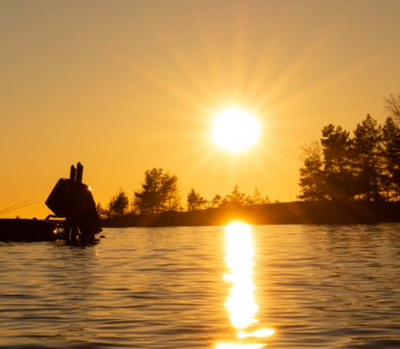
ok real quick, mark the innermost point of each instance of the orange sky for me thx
(125, 86)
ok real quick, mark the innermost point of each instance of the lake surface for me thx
(206, 287)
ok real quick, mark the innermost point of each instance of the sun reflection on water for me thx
(241, 304)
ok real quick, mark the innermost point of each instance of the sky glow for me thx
(126, 86)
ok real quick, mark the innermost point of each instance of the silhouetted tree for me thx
(216, 201)
(312, 178)
(391, 159)
(367, 159)
(392, 105)
(363, 167)
(159, 193)
(256, 199)
(234, 199)
(118, 204)
(102, 212)
(337, 162)
(195, 201)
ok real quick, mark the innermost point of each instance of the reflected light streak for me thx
(265, 332)
(238, 346)
(241, 303)
(239, 253)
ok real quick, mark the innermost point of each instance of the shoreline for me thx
(297, 212)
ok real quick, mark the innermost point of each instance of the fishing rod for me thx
(17, 206)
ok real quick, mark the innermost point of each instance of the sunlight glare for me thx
(241, 304)
(239, 253)
(265, 332)
(236, 130)
(238, 346)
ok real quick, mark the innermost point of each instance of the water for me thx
(316, 286)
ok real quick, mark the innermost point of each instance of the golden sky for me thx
(127, 85)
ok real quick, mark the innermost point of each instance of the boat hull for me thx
(75, 217)
(29, 230)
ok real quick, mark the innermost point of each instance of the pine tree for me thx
(159, 193)
(311, 174)
(337, 163)
(367, 165)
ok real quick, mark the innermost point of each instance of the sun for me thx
(236, 129)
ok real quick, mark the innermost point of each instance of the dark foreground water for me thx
(206, 287)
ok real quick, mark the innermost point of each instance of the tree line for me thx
(159, 193)
(363, 166)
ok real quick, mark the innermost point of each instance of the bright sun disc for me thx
(236, 130)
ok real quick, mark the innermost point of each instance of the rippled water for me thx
(316, 286)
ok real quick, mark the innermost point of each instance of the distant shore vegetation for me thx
(364, 166)
(341, 167)
(160, 193)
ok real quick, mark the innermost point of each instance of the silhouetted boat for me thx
(75, 217)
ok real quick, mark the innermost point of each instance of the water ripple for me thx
(318, 286)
